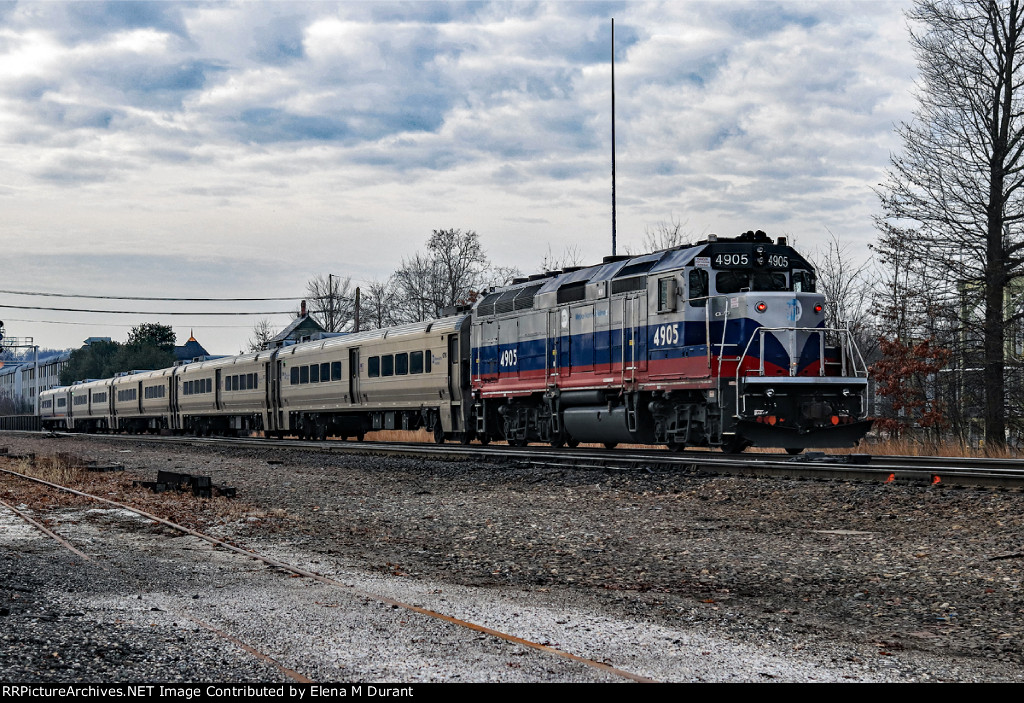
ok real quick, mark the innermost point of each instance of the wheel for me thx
(438, 433)
(321, 432)
(610, 445)
(674, 446)
(794, 450)
(573, 443)
(465, 438)
(558, 443)
(484, 439)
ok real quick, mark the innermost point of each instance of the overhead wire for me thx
(40, 308)
(141, 312)
(131, 297)
(114, 324)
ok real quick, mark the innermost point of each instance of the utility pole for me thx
(330, 303)
(355, 327)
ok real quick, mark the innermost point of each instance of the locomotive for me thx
(721, 343)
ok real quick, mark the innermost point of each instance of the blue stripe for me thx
(605, 347)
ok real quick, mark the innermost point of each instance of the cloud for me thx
(311, 133)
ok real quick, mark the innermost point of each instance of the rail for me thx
(709, 305)
(965, 471)
(849, 353)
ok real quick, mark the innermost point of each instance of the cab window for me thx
(804, 282)
(698, 280)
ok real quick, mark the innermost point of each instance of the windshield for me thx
(735, 281)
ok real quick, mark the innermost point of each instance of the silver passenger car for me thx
(407, 377)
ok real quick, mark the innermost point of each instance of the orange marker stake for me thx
(892, 477)
(936, 480)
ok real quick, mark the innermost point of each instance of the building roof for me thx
(299, 329)
(190, 350)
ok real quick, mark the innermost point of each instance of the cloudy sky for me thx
(169, 149)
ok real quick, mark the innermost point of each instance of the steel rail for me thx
(290, 673)
(966, 471)
(607, 668)
(57, 538)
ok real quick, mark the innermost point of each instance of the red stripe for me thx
(663, 373)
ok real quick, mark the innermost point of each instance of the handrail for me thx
(846, 344)
(847, 349)
(708, 300)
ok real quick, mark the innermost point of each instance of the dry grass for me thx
(401, 436)
(891, 447)
(912, 447)
(59, 468)
(182, 508)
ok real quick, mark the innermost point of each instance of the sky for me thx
(236, 150)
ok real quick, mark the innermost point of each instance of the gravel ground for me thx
(672, 576)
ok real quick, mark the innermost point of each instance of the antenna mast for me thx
(613, 136)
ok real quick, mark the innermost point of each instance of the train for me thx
(721, 343)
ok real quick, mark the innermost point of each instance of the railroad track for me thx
(613, 560)
(352, 593)
(965, 471)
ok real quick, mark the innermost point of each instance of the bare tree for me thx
(453, 271)
(665, 234)
(570, 257)
(460, 263)
(415, 284)
(923, 324)
(500, 276)
(955, 190)
(378, 303)
(331, 301)
(846, 286)
(14, 405)
(262, 332)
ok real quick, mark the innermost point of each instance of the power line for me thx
(127, 297)
(114, 324)
(141, 312)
